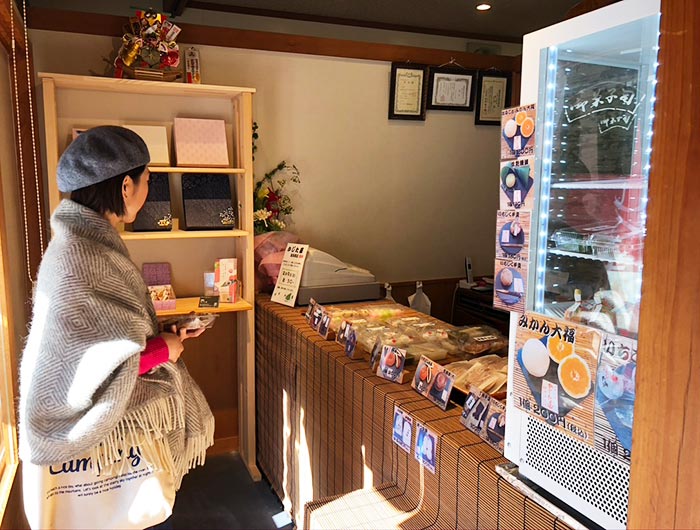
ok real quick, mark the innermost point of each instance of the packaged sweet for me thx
(478, 340)
(489, 373)
(192, 321)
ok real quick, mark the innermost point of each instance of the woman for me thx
(100, 388)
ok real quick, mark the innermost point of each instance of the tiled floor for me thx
(221, 495)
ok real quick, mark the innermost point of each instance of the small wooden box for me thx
(200, 143)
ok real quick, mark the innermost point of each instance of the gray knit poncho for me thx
(80, 391)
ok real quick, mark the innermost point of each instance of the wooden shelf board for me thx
(187, 305)
(171, 169)
(182, 234)
(160, 88)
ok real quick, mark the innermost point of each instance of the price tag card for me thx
(425, 450)
(324, 326)
(375, 354)
(392, 363)
(289, 277)
(403, 429)
(476, 408)
(433, 381)
(310, 310)
(316, 316)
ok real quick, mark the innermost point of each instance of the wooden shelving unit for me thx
(222, 359)
(185, 306)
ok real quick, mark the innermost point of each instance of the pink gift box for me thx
(157, 277)
(200, 143)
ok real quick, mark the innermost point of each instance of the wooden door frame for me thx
(665, 456)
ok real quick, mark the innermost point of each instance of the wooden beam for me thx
(256, 11)
(175, 7)
(109, 25)
(586, 6)
(664, 486)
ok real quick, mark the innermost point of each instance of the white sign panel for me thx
(289, 277)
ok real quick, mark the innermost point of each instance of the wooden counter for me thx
(324, 431)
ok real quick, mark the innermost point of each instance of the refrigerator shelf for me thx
(619, 260)
(616, 184)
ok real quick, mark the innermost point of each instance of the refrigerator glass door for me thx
(596, 112)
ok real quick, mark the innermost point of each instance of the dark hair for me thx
(106, 196)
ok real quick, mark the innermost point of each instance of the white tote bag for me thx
(71, 495)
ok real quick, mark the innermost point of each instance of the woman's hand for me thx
(175, 346)
(184, 333)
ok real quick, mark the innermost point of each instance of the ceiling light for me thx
(483, 7)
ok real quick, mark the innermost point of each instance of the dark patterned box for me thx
(207, 203)
(155, 214)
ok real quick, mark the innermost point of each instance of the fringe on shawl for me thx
(147, 428)
(144, 428)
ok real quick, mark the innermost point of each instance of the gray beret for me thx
(99, 154)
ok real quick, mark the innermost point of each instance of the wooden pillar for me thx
(665, 454)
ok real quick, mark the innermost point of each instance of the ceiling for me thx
(507, 20)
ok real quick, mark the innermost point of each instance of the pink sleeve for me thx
(156, 353)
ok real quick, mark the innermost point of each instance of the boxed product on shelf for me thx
(200, 142)
(478, 340)
(207, 203)
(158, 280)
(226, 279)
(156, 139)
(155, 214)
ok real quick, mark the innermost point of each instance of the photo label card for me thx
(425, 449)
(403, 429)
(433, 381)
(476, 407)
(392, 363)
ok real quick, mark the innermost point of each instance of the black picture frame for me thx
(493, 89)
(450, 88)
(407, 91)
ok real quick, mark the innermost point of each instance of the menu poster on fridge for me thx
(518, 132)
(517, 183)
(513, 234)
(555, 372)
(510, 285)
(614, 401)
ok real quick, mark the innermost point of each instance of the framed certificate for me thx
(492, 96)
(450, 88)
(407, 91)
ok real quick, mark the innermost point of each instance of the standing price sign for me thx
(289, 278)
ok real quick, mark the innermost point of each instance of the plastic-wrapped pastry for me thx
(489, 373)
(478, 340)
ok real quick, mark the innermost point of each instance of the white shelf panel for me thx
(622, 261)
(617, 184)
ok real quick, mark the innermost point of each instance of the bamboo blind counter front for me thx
(324, 430)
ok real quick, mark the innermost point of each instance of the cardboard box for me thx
(200, 142)
(156, 138)
(226, 279)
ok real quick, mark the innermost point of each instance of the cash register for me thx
(327, 280)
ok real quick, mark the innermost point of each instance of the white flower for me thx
(261, 215)
(276, 223)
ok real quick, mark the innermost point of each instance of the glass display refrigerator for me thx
(572, 356)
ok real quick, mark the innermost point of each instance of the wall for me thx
(406, 200)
